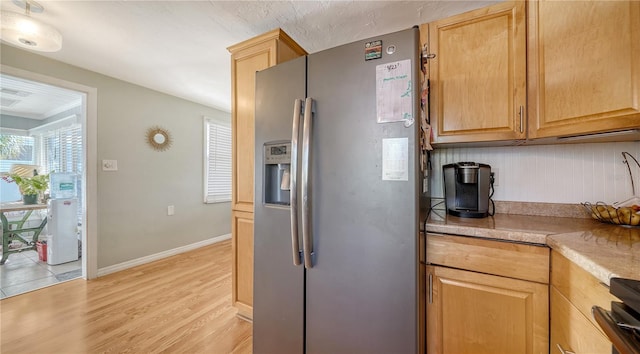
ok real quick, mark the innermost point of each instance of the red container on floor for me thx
(42, 251)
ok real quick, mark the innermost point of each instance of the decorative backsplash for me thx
(570, 173)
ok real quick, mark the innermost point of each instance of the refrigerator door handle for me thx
(295, 245)
(307, 241)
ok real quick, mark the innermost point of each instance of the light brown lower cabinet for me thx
(486, 296)
(489, 296)
(573, 292)
(242, 267)
(571, 332)
(470, 312)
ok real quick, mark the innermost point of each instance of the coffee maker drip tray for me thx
(467, 213)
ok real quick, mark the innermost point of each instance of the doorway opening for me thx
(43, 131)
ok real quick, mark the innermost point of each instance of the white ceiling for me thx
(179, 47)
(33, 100)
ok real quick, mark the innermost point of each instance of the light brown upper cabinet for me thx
(252, 55)
(584, 67)
(478, 75)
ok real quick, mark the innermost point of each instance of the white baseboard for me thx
(164, 254)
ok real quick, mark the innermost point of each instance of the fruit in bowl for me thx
(627, 216)
(619, 215)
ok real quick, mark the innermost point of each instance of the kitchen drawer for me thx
(514, 260)
(572, 330)
(582, 289)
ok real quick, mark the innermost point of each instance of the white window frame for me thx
(220, 175)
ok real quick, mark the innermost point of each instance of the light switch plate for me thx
(109, 165)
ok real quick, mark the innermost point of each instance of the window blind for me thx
(217, 179)
(62, 151)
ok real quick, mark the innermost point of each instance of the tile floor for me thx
(24, 272)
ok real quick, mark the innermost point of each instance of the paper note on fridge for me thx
(395, 159)
(394, 99)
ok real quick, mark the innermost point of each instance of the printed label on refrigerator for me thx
(395, 159)
(394, 99)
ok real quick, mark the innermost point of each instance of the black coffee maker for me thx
(466, 188)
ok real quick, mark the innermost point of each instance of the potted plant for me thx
(30, 187)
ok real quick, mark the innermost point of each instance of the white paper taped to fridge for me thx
(395, 159)
(394, 99)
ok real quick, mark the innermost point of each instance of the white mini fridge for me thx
(62, 245)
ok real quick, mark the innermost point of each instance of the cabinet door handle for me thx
(563, 351)
(521, 119)
(430, 288)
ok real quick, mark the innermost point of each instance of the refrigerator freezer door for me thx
(278, 317)
(362, 289)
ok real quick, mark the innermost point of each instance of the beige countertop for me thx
(603, 250)
(605, 253)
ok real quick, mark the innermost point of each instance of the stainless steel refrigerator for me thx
(337, 192)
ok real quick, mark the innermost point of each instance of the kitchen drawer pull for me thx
(564, 351)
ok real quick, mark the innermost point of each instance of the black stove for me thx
(622, 323)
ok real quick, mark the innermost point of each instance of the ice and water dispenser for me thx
(277, 163)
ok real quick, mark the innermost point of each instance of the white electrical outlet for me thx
(495, 177)
(171, 210)
(109, 165)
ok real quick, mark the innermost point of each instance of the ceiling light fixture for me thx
(25, 32)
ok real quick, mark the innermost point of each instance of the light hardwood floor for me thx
(180, 304)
